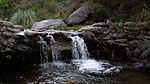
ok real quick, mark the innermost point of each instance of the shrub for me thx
(24, 17)
(6, 9)
(99, 12)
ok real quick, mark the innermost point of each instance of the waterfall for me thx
(56, 54)
(79, 48)
(43, 50)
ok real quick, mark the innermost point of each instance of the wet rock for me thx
(46, 24)
(22, 47)
(34, 33)
(79, 15)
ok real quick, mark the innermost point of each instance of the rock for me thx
(123, 44)
(107, 32)
(2, 29)
(137, 52)
(46, 24)
(130, 24)
(79, 15)
(147, 37)
(6, 23)
(110, 42)
(100, 24)
(22, 47)
(134, 59)
(133, 44)
(30, 33)
(145, 54)
(7, 34)
(119, 35)
(106, 37)
(121, 40)
(138, 65)
(121, 24)
(144, 24)
(95, 30)
(109, 22)
(15, 30)
(146, 66)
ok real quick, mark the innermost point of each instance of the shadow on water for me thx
(67, 73)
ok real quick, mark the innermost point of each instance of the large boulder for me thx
(51, 23)
(79, 15)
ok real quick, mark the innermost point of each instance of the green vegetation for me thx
(100, 12)
(25, 12)
(24, 17)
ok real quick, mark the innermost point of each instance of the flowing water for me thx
(86, 65)
(43, 51)
(79, 48)
(56, 54)
(67, 73)
(80, 70)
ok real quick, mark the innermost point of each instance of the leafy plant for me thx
(99, 12)
(5, 3)
(24, 17)
(6, 9)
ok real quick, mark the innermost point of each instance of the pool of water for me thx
(67, 73)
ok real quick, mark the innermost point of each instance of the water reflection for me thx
(65, 73)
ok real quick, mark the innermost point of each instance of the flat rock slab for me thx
(46, 24)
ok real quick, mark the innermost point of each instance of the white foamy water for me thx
(56, 54)
(92, 66)
(43, 51)
(79, 48)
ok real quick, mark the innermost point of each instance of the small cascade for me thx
(56, 54)
(43, 51)
(79, 50)
(86, 65)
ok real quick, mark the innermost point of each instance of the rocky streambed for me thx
(124, 46)
(125, 43)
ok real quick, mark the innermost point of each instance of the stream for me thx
(67, 73)
(81, 69)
